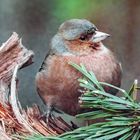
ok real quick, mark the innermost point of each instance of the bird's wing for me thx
(50, 52)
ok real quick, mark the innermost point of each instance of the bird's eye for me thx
(88, 34)
(82, 37)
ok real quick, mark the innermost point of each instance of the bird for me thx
(78, 41)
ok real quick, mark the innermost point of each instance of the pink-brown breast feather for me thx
(58, 84)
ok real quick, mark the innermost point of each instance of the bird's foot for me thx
(50, 115)
(47, 115)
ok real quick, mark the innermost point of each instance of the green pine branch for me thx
(121, 115)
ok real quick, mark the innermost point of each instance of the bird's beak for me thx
(99, 36)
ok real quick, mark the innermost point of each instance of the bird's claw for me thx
(47, 115)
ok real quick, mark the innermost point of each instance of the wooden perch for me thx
(12, 52)
(14, 103)
(3, 135)
(14, 119)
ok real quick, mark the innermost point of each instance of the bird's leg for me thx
(49, 113)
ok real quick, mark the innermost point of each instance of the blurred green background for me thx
(36, 21)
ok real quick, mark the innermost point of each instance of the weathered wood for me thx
(3, 135)
(14, 103)
(12, 52)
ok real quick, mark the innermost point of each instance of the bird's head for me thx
(78, 36)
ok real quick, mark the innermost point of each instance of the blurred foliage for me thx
(82, 9)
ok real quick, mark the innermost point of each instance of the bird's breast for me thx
(59, 79)
(60, 76)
